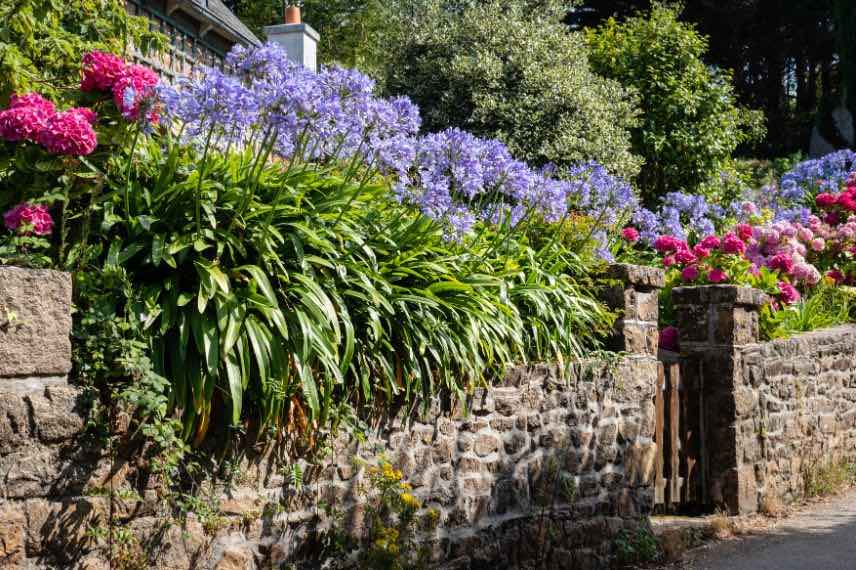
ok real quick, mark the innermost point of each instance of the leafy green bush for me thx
(499, 70)
(43, 41)
(690, 123)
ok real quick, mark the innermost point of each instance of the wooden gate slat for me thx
(659, 410)
(675, 479)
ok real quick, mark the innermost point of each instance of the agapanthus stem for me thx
(128, 175)
(199, 184)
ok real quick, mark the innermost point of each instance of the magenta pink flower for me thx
(733, 244)
(825, 200)
(669, 339)
(669, 244)
(29, 218)
(788, 293)
(832, 218)
(25, 117)
(817, 244)
(847, 202)
(836, 276)
(782, 262)
(88, 114)
(668, 261)
(710, 242)
(100, 71)
(69, 133)
(690, 273)
(701, 252)
(744, 232)
(684, 256)
(133, 85)
(630, 234)
(717, 276)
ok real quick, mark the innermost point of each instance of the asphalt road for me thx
(822, 536)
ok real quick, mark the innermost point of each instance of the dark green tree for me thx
(691, 124)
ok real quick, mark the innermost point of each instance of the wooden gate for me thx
(679, 424)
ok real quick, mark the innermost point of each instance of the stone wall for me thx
(482, 464)
(773, 411)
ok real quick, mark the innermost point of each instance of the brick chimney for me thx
(299, 40)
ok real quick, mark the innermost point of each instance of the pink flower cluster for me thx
(783, 247)
(25, 118)
(697, 262)
(132, 86)
(837, 204)
(29, 218)
(33, 118)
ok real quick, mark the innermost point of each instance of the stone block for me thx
(12, 533)
(485, 444)
(641, 275)
(35, 322)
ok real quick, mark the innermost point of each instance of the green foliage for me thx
(43, 41)
(824, 478)
(499, 70)
(826, 306)
(690, 124)
(637, 547)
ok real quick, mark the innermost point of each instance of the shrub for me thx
(499, 70)
(690, 122)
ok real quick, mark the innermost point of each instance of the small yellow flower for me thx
(410, 501)
(405, 486)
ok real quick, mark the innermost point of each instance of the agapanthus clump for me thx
(27, 219)
(70, 133)
(100, 71)
(25, 117)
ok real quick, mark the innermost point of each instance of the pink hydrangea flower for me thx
(133, 85)
(733, 244)
(817, 244)
(782, 262)
(710, 242)
(28, 218)
(88, 114)
(684, 256)
(669, 244)
(100, 71)
(825, 200)
(744, 232)
(630, 234)
(690, 273)
(788, 293)
(669, 339)
(69, 133)
(847, 201)
(26, 116)
(805, 234)
(668, 261)
(717, 275)
(701, 252)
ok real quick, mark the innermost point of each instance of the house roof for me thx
(218, 14)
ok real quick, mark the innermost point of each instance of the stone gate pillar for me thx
(715, 323)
